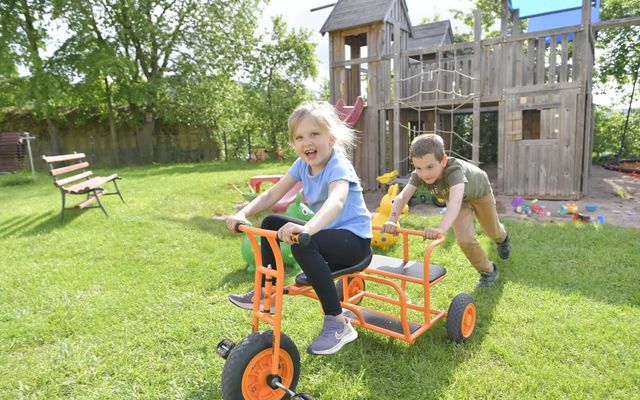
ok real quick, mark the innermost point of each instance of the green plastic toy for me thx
(297, 210)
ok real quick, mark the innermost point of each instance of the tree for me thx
(24, 30)
(276, 77)
(619, 62)
(156, 47)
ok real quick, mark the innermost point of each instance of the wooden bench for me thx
(69, 181)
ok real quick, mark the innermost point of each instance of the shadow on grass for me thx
(214, 226)
(31, 225)
(381, 359)
(36, 224)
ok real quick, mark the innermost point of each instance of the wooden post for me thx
(396, 96)
(586, 107)
(477, 75)
(504, 16)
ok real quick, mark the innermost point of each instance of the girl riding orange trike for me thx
(266, 364)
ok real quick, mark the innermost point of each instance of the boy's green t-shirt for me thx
(457, 171)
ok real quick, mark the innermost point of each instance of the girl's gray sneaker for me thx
(246, 301)
(333, 336)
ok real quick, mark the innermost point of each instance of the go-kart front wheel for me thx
(246, 372)
(461, 318)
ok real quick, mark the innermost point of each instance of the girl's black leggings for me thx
(330, 250)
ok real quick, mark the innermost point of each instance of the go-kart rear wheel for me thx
(248, 367)
(355, 285)
(461, 318)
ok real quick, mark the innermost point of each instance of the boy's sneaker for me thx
(488, 278)
(246, 301)
(504, 248)
(333, 336)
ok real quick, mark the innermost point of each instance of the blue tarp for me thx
(545, 14)
(529, 8)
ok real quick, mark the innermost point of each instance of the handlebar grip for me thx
(236, 227)
(303, 239)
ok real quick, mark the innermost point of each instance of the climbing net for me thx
(446, 88)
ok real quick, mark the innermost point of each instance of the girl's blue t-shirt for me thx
(355, 216)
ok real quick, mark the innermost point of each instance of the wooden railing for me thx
(449, 72)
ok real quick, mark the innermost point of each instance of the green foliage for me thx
(463, 126)
(190, 61)
(619, 61)
(609, 125)
(276, 74)
(489, 19)
(133, 306)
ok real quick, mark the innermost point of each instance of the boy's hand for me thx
(236, 219)
(390, 227)
(432, 233)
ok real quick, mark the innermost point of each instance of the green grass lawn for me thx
(133, 306)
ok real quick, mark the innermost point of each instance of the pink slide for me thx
(288, 198)
(350, 114)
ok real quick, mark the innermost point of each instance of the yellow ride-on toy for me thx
(266, 364)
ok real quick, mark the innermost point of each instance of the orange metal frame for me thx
(276, 294)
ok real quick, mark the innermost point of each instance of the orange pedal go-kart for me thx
(266, 364)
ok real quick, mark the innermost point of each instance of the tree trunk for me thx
(54, 134)
(115, 148)
(144, 139)
(626, 121)
(224, 144)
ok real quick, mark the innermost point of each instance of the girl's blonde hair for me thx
(325, 115)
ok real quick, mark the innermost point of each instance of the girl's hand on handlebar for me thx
(288, 230)
(235, 219)
(390, 227)
(432, 233)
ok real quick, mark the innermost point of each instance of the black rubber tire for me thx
(242, 354)
(455, 317)
(349, 280)
(303, 396)
(437, 202)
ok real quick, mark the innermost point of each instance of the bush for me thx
(609, 126)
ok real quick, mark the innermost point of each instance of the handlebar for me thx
(303, 239)
(408, 231)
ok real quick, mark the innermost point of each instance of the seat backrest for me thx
(62, 174)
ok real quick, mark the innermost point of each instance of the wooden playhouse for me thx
(415, 79)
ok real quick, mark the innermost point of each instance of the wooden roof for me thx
(353, 13)
(431, 35)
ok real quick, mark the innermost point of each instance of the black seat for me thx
(301, 279)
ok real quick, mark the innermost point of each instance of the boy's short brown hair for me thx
(428, 143)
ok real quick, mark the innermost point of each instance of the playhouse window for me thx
(530, 124)
(358, 73)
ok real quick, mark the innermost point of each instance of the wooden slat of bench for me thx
(90, 199)
(69, 168)
(64, 181)
(90, 184)
(64, 157)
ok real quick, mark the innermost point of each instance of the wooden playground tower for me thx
(414, 79)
